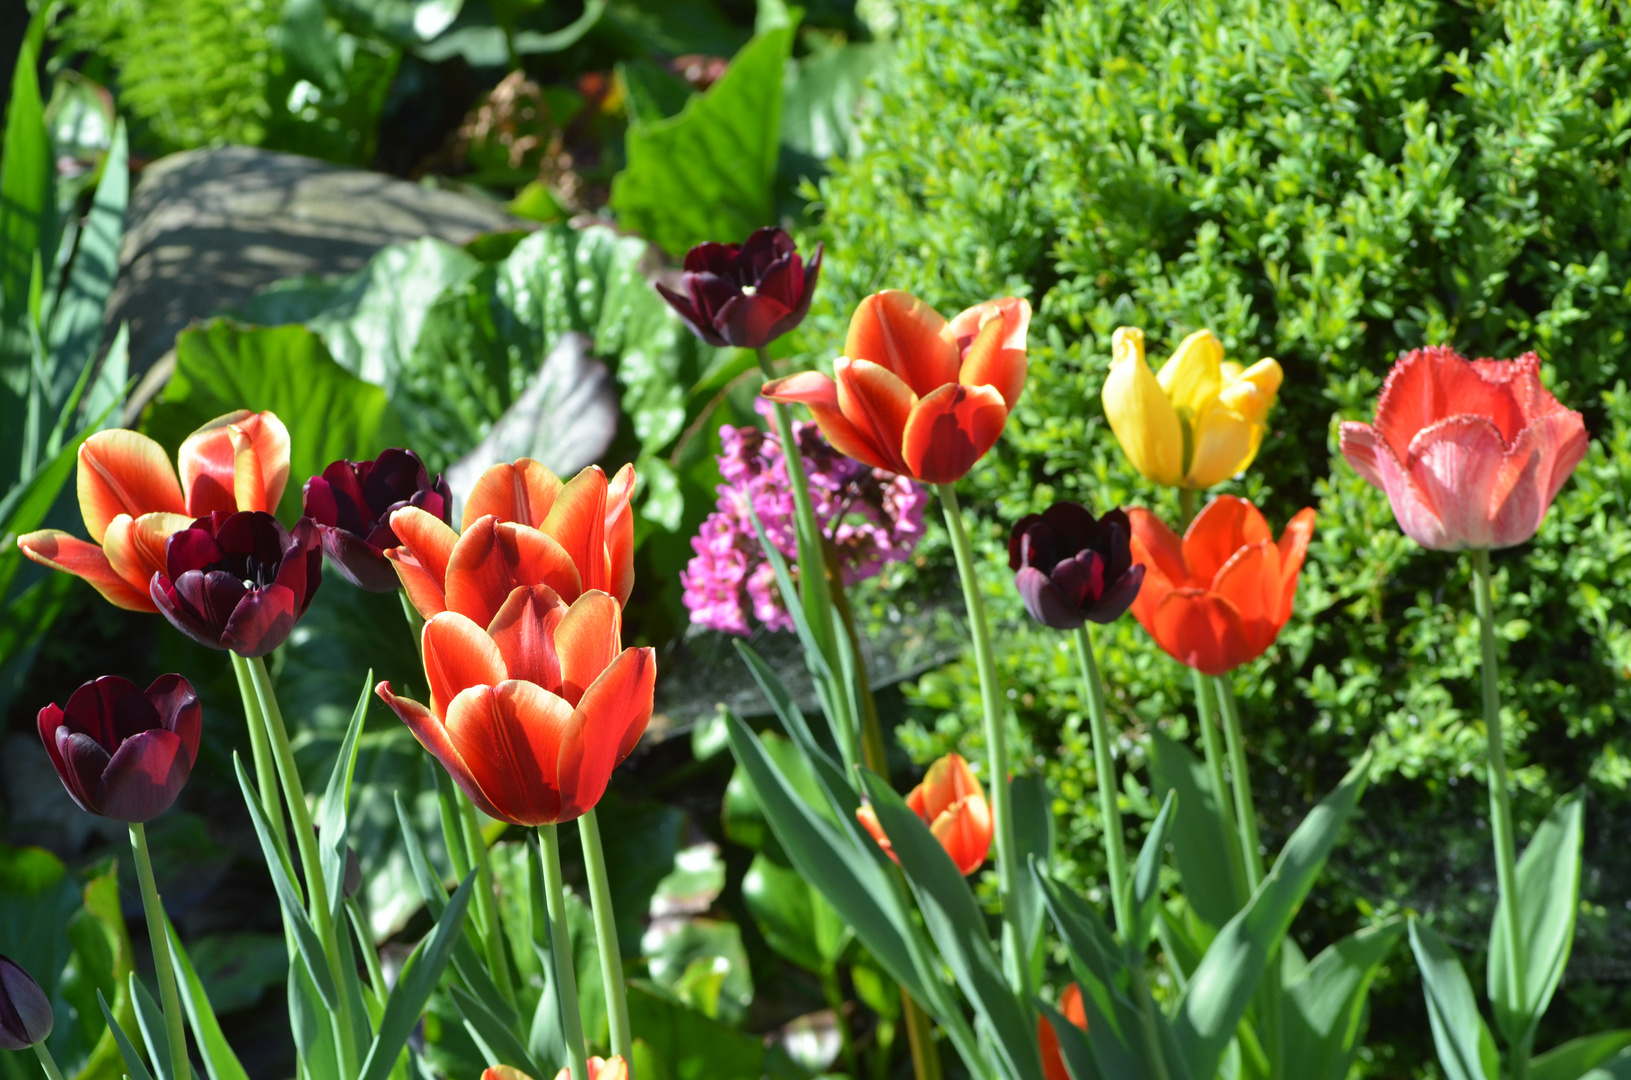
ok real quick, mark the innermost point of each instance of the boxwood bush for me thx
(1328, 183)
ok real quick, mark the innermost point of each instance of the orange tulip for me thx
(572, 537)
(1070, 1005)
(951, 803)
(132, 501)
(1218, 597)
(532, 710)
(612, 1068)
(914, 394)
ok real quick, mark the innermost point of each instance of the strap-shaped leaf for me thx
(311, 1022)
(1073, 1046)
(134, 1068)
(1465, 1049)
(150, 1019)
(336, 797)
(1223, 983)
(1033, 839)
(220, 1061)
(1324, 1012)
(1144, 899)
(497, 1042)
(958, 927)
(1579, 1057)
(1200, 838)
(414, 986)
(76, 319)
(1548, 897)
(294, 909)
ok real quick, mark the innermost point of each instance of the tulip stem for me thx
(1186, 508)
(47, 1062)
(1500, 803)
(560, 952)
(1244, 804)
(996, 739)
(611, 953)
(311, 862)
(169, 998)
(261, 749)
(1205, 703)
(1115, 844)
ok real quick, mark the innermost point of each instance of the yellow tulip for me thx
(1199, 420)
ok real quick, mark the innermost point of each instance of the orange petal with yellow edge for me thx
(458, 655)
(964, 830)
(587, 640)
(989, 359)
(492, 558)
(1201, 630)
(877, 404)
(620, 534)
(523, 492)
(524, 632)
(60, 551)
(950, 430)
(902, 333)
(124, 472)
(239, 461)
(577, 522)
(510, 735)
(432, 735)
(1224, 526)
(135, 546)
(607, 724)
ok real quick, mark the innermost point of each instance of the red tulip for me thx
(951, 804)
(123, 752)
(914, 394)
(352, 503)
(572, 537)
(25, 1011)
(1218, 597)
(531, 712)
(132, 502)
(1470, 453)
(1070, 1006)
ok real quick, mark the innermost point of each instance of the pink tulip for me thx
(1470, 453)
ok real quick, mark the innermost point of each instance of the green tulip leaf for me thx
(1325, 1013)
(1466, 1051)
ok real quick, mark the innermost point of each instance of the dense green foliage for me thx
(1329, 184)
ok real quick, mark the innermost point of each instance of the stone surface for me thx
(208, 228)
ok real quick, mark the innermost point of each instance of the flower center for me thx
(750, 290)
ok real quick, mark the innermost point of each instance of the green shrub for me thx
(1328, 183)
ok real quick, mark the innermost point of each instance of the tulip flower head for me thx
(1071, 567)
(745, 295)
(121, 751)
(914, 394)
(25, 1011)
(612, 1068)
(1199, 420)
(1218, 598)
(352, 503)
(1470, 453)
(951, 803)
(132, 501)
(1070, 1006)
(522, 526)
(532, 705)
(239, 581)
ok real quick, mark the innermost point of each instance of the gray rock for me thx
(208, 228)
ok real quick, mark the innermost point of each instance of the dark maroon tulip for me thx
(352, 503)
(25, 1011)
(239, 581)
(1071, 567)
(123, 752)
(745, 295)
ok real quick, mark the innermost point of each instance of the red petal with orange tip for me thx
(987, 363)
(902, 333)
(577, 522)
(950, 430)
(124, 472)
(620, 534)
(524, 633)
(427, 544)
(1224, 526)
(135, 546)
(432, 735)
(587, 640)
(458, 655)
(1199, 629)
(239, 461)
(510, 735)
(492, 558)
(523, 492)
(60, 551)
(820, 394)
(877, 404)
(606, 726)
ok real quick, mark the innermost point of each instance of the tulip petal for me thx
(1044, 600)
(577, 522)
(1456, 464)
(1532, 472)
(1224, 526)
(867, 817)
(60, 551)
(877, 404)
(1119, 596)
(1417, 518)
(511, 735)
(427, 544)
(143, 777)
(524, 633)
(1143, 420)
(51, 718)
(83, 762)
(135, 546)
(1193, 376)
(900, 332)
(492, 558)
(1428, 385)
(606, 726)
(179, 711)
(432, 735)
(588, 639)
(523, 492)
(124, 472)
(1222, 444)
(1294, 540)
(620, 534)
(950, 430)
(964, 830)
(1252, 582)
(1000, 363)
(358, 561)
(1199, 629)
(458, 655)
(1358, 443)
(261, 620)
(805, 388)
(239, 461)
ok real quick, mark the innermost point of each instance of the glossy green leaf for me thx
(1580, 1057)
(75, 328)
(497, 1040)
(336, 797)
(1200, 839)
(1144, 901)
(691, 1046)
(27, 237)
(150, 1022)
(1465, 1048)
(796, 921)
(220, 1061)
(1033, 838)
(1548, 899)
(819, 114)
(1324, 1011)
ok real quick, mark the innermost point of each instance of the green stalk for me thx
(486, 900)
(416, 621)
(1205, 699)
(920, 1039)
(611, 954)
(370, 956)
(985, 662)
(560, 951)
(1186, 508)
(310, 859)
(169, 998)
(1500, 803)
(47, 1062)
(265, 770)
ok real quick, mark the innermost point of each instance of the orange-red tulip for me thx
(914, 394)
(132, 501)
(532, 709)
(952, 805)
(572, 537)
(612, 1068)
(1218, 597)
(1070, 1006)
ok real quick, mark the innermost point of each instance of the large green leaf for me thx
(1325, 1008)
(793, 917)
(1222, 985)
(707, 173)
(819, 115)
(1033, 837)
(1579, 1057)
(691, 1046)
(1200, 839)
(1548, 898)
(1144, 888)
(1465, 1049)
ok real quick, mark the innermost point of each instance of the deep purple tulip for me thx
(1070, 568)
(25, 1011)
(121, 751)
(745, 295)
(352, 503)
(239, 581)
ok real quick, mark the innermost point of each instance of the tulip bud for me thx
(1071, 567)
(352, 503)
(745, 295)
(612, 1068)
(949, 801)
(122, 752)
(25, 1011)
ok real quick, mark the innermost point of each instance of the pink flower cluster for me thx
(871, 516)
